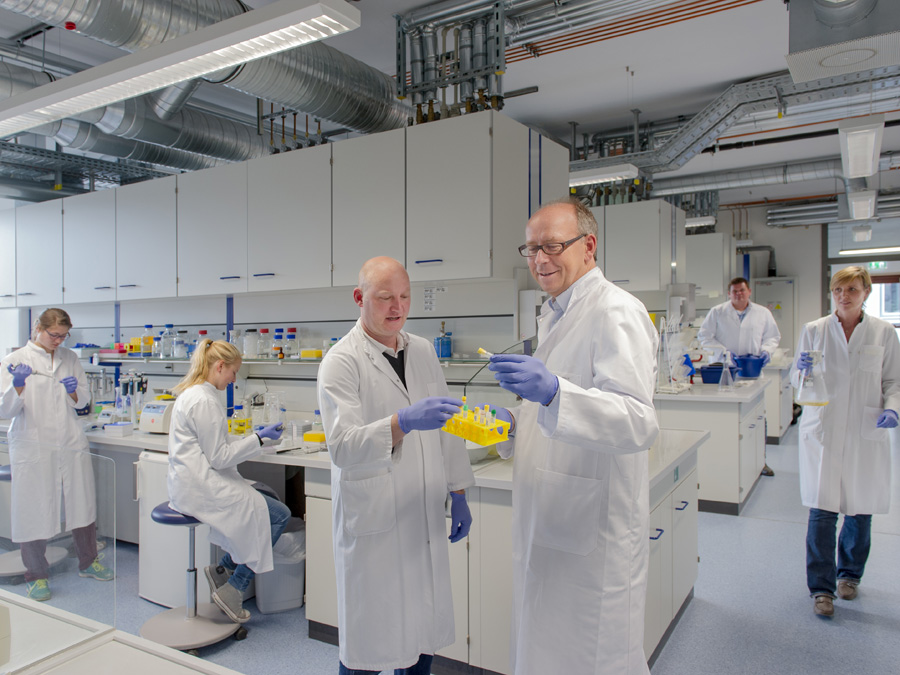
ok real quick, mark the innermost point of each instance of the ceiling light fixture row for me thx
(605, 174)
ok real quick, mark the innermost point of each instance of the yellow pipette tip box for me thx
(314, 437)
(482, 434)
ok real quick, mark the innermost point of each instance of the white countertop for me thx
(743, 392)
(668, 448)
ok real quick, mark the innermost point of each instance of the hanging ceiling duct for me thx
(888, 206)
(315, 78)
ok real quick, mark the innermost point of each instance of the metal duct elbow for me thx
(15, 80)
(166, 103)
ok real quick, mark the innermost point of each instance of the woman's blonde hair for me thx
(850, 274)
(205, 357)
(49, 318)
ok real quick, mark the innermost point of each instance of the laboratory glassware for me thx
(251, 344)
(442, 344)
(264, 348)
(168, 341)
(812, 389)
(179, 345)
(147, 341)
(290, 347)
(234, 337)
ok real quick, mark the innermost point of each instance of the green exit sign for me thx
(877, 265)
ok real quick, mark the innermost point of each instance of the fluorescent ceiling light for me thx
(698, 222)
(860, 139)
(260, 32)
(868, 251)
(862, 233)
(862, 204)
(604, 174)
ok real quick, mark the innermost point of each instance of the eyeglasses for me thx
(553, 248)
(56, 336)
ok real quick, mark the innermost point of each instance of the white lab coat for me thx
(48, 450)
(845, 460)
(723, 329)
(204, 481)
(390, 532)
(581, 490)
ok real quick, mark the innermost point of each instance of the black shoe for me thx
(766, 471)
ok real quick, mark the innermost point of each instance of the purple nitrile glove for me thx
(70, 383)
(19, 374)
(887, 419)
(273, 431)
(460, 517)
(427, 414)
(804, 362)
(525, 376)
(766, 358)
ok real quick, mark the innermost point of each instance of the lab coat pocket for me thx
(868, 429)
(368, 505)
(871, 358)
(568, 511)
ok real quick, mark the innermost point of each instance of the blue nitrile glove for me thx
(272, 431)
(525, 376)
(766, 358)
(460, 517)
(429, 413)
(887, 420)
(70, 383)
(804, 362)
(19, 373)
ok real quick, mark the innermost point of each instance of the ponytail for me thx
(205, 357)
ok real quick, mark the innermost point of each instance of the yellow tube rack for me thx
(463, 424)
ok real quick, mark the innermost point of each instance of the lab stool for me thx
(11, 564)
(196, 624)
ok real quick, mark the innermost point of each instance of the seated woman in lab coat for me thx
(204, 481)
(42, 384)
(845, 450)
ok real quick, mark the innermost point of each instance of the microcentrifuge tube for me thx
(484, 352)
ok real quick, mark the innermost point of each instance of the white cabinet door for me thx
(747, 450)
(369, 202)
(708, 264)
(321, 582)
(459, 587)
(639, 245)
(659, 580)
(89, 247)
(289, 220)
(145, 240)
(760, 416)
(786, 404)
(39, 258)
(212, 231)
(448, 197)
(8, 258)
(684, 540)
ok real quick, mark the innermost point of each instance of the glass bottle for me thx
(234, 337)
(237, 421)
(168, 341)
(290, 347)
(157, 347)
(264, 347)
(179, 346)
(277, 343)
(251, 343)
(147, 340)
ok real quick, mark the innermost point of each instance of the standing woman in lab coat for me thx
(204, 481)
(42, 384)
(845, 452)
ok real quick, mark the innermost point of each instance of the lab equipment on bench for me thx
(156, 416)
(479, 425)
(316, 434)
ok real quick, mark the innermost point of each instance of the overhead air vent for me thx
(836, 37)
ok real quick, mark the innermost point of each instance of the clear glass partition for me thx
(57, 549)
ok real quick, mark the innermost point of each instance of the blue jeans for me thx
(279, 514)
(422, 667)
(852, 550)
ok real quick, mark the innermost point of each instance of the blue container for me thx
(443, 346)
(749, 366)
(712, 374)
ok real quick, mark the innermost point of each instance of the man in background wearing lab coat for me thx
(741, 327)
(383, 399)
(580, 475)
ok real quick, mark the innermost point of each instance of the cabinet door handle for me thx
(26, 293)
(231, 277)
(622, 281)
(760, 417)
(265, 274)
(683, 506)
(436, 261)
(658, 535)
(752, 426)
(7, 295)
(102, 288)
(134, 475)
(127, 285)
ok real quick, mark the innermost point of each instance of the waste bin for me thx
(282, 588)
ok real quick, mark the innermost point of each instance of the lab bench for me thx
(728, 465)
(481, 573)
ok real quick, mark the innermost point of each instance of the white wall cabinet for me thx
(39, 255)
(288, 223)
(8, 258)
(146, 240)
(212, 231)
(369, 216)
(89, 247)
(643, 239)
(600, 216)
(709, 260)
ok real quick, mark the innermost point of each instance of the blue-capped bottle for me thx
(442, 344)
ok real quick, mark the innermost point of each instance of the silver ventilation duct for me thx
(315, 78)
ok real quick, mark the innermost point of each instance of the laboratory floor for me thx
(750, 612)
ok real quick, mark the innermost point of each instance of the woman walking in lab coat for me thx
(845, 453)
(49, 452)
(204, 481)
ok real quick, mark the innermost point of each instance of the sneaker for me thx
(39, 589)
(217, 576)
(766, 471)
(97, 571)
(846, 589)
(229, 600)
(824, 605)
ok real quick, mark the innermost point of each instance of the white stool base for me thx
(173, 629)
(11, 563)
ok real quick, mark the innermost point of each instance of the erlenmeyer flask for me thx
(812, 389)
(726, 382)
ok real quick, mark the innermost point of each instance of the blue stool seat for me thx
(6, 472)
(166, 515)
